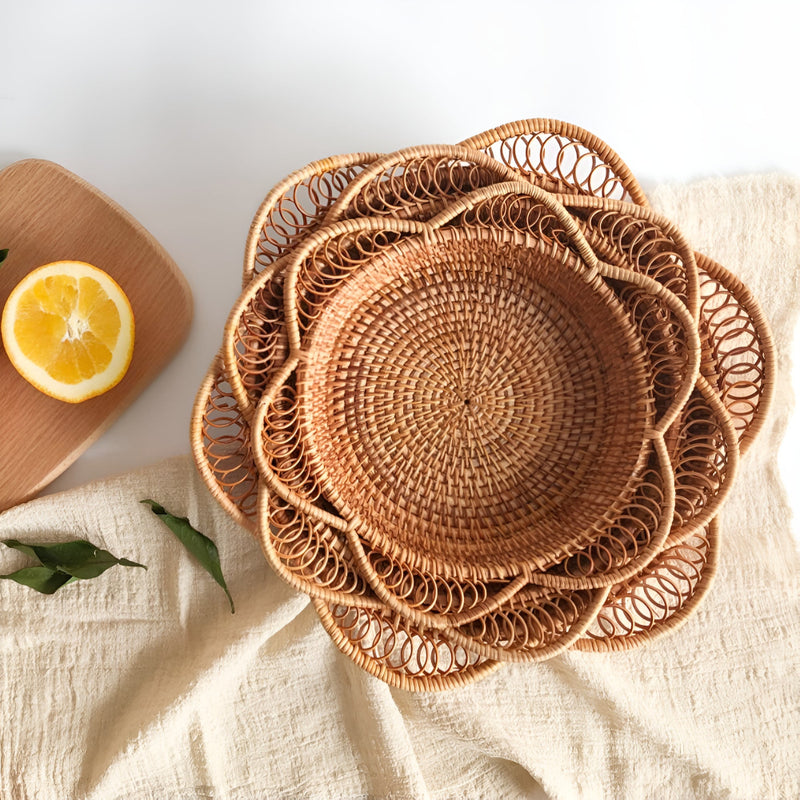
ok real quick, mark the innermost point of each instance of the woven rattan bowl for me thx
(427, 346)
(473, 402)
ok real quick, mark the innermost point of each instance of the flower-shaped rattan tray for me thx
(481, 403)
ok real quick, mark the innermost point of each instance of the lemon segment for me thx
(68, 329)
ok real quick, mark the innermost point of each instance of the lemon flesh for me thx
(68, 329)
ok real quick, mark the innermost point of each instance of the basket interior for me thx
(480, 403)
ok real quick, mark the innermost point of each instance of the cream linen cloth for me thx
(142, 685)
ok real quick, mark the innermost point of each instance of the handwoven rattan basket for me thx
(481, 403)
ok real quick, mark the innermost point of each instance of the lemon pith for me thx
(68, 329)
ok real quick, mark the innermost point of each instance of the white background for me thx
(186, 113)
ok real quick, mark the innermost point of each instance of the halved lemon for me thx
(68, 329)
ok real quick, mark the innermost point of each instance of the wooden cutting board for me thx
(48, 214)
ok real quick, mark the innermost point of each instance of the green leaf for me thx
(79, 559)
(43, 579)
(198, 544)
(3, 254)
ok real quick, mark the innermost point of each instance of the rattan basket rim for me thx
(531, 126)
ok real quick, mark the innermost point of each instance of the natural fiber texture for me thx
(484, 389)
(141, 685)
(459, 343)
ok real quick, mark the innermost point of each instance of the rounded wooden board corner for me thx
(47, 213)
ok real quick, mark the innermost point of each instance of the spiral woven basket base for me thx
(478, 406)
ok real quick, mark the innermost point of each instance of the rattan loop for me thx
(452, 152)
(689, 328)
(282, 190)
(532, 127)
(730, 447)
(516, 187)
(646, 214)
(292, 578)
(316, 241)
(268, 475)
(645, 554)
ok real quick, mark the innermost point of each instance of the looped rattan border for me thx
(303, 220)
(552, 127)
(665, 578)
(399, 159)
(645, 214)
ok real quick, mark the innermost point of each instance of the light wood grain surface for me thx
(48, 214)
